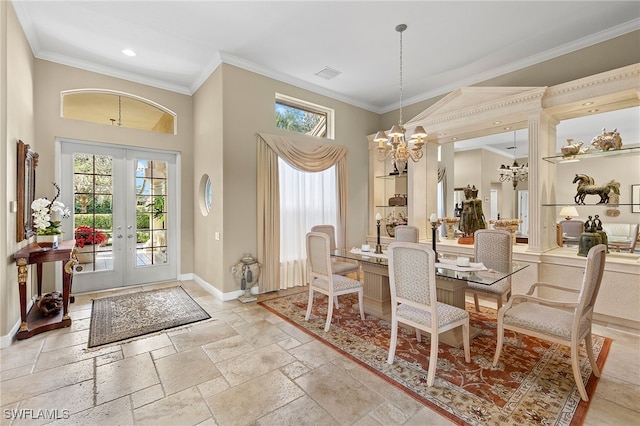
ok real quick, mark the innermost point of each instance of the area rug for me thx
(532, 384)
(119, 318)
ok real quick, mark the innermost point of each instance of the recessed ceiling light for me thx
(128, 52)
(587, 103)
(593, 110)
(508, 128)
(442, 134)
(497, 122)
(454, 139)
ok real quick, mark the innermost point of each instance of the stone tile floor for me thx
(246, 367)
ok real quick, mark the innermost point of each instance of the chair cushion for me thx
(447, 314)
(338, 267)
(543, 319)
(340, 283)
(500, 288)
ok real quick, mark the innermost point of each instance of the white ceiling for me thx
(447, 44)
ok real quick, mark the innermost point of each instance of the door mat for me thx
(118, 318)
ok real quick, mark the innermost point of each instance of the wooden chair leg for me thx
(592, 359)
(329, 314)
(465, 341)
(361, 303)
(575, 366)
(309, 305)
(394, 340)
(433, 358)
(499, 343)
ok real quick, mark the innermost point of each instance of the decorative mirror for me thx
(27, 163)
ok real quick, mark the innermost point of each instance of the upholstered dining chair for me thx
(321, 278)
(412, 281)
(492, 247)
(571, 231)
(560, 322)
(338, 266)
(407, 233)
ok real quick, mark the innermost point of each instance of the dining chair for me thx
(407, 233)
(321, 278)
(566, 323)
(338, 266)
(492, 248)
(412, 281)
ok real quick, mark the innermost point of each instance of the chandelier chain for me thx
(400, 30)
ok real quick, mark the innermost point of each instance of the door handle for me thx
(119, 236)
(129, 236)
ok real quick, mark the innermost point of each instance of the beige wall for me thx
(16, 122)
(248, 105)
(52, 78)
(209, 262)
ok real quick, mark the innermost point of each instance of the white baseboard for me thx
(8, 339)
(214, 291)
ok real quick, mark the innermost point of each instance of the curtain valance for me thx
(304, 155)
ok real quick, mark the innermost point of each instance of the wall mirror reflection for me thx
(26, 179)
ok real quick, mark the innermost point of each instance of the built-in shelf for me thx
(611, 206)
(558, 159)
(392, 207)
(401, 175)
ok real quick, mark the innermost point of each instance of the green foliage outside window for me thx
(296, 119)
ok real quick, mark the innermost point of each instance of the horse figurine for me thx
(607, 140)
(587, 186)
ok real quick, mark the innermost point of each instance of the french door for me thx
(124, 214)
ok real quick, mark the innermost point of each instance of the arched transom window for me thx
(117, 109)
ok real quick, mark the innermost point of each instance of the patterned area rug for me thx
(532, 384)
(118, 318)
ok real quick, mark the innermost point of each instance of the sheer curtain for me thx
(303, 154)
(306, 199)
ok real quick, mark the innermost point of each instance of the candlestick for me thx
(378, 245)
(434, 226)
(433, 218)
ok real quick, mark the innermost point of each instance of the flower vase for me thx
(85, 254)
(48, 240)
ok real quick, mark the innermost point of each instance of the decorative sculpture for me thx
(571, 149)
(472, 217)
(587, 186)
(607, 140)
(589, 237)
(50, 303)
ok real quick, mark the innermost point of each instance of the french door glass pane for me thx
(93, 211)
(151, 213)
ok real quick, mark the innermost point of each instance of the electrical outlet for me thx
(217, 236)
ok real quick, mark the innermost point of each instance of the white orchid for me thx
(47, 215)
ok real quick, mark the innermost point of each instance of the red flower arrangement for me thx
(86, 235)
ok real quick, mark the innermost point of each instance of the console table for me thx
(35, 322)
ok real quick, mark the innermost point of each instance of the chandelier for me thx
(515, 172)
(394, 144)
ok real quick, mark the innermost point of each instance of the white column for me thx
(423, 190)
(542, 220)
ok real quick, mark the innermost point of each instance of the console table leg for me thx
(22, 287)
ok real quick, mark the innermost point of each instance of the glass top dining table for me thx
(493, 271)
